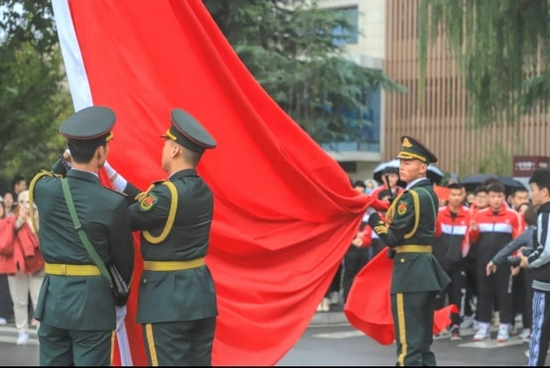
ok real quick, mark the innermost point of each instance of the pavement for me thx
(9, 334)
(335, 316)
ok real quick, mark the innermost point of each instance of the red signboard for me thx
(524, 166)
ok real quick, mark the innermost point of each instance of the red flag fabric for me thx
(129, 348)
(442, 192)
(285, 212)
(368, 307)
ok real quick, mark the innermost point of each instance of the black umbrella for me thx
(472, 182)
(434, 174)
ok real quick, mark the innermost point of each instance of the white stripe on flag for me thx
(74, 64)
(82, 97)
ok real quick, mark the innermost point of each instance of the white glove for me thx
(118, 180)
(68, 161)
(120, 315)
(370, 210)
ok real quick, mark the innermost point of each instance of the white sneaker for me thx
(467, 322)
(23, 338)
(3, 321)
(483, 332)
(445, 334)
(503, 332)
(325, 305)
(525, 335)
(335, 298)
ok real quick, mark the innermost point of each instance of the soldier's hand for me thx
(67, 156)
(358, 242)
(118, 181)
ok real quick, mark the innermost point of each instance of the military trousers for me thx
(61, 347)
(186, 343)
(413, 316)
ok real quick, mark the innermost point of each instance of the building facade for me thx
(366, 49)
(388, 40)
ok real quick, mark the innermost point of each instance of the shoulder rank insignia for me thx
(402, 207)
(147, 202)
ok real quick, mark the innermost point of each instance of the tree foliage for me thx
(33, 97)
(292, 50)
(501, 48)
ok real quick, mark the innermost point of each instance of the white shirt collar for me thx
(86, 171)
(414, 182)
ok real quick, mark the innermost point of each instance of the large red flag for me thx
(285, 212)
(368, 307)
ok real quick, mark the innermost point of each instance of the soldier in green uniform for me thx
(408, 230)
(76, 308)
(177, 299)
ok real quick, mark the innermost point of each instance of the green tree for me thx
(33, 96)
(501, 48)
(292, 50)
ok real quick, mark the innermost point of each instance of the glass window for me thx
(351, 14)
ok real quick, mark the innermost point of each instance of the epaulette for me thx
(32, 184)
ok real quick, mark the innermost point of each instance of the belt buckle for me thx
(64, 269)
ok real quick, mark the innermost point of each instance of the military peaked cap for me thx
(188, 132)
(413, 149)
(89, 123)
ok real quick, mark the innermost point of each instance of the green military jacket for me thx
(412, 218)
(183, 295)
(81, 302)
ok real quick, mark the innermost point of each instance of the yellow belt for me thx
(413, 249)
(71, 270)
(172, 265)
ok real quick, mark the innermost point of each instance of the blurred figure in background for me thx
(6, 305)
(480, 202)
(18, 184)
(25, 266)
(470, 198)
(9, 203)
(370, 185)
(450, 249)
(493, 228)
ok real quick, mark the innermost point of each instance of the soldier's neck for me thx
(179, 166)
(89, 166)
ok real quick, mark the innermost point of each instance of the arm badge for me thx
(402, 208)
(148, 202)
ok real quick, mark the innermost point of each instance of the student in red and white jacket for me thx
(493, 228)
(451, 247)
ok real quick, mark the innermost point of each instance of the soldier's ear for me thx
(176, 150)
